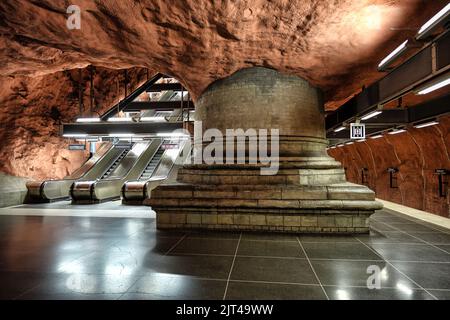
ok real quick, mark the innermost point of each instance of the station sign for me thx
(124, 145)
(167, 146)
(357, 131)
(77, 147)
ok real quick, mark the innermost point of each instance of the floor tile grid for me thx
(231, 268)
(175, 245)
(425, 242)
(85, 255)
(398, 270)
(419, 222)
(300, 258)
(312, 268)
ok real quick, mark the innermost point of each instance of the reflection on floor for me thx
(66, 257)
(110, 209)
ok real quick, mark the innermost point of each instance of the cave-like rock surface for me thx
(34, 107)
(336, 44)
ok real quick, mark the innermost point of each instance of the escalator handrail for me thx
(173, 163)
(153, 156)
(92, 167)
(112, 163)
(131, 167)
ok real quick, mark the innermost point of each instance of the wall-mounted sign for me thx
(167, 146)
(77, 147)
(357, 131)
(124, 146)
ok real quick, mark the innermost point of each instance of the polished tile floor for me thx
(66, 257)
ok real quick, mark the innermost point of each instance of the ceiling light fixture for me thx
(152, 119)
(171, 134)
(121, 135)
(377, 136)
(350, 142)
(74, 135)
(88, 120)
(117, 119)
(396, 131)
(426, 124)
(437, 20)
(371, 114)
(387, 61)
(433, 85)
(339, 129)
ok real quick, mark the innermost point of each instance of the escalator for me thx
(152, 165)
(129, 165)
(163, 167)
(92, 169)
(115, 163)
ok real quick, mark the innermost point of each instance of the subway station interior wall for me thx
(33, 107)
(416, 153)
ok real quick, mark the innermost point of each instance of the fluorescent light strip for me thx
(88, 120)
(396, 131)
(152, 119)
(427, 124)
(340, 145)
(440, 84)
(171, 134)
(361, 140)
(350, 142)
(435, 19)
(390, 57)
(120, 119)
(371, 115)
(121, 135)
(339, 129)
(75, 135)
(377, 136)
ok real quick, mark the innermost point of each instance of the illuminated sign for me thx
(357, 131)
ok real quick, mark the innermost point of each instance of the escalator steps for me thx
(152, 165)
(115, 164)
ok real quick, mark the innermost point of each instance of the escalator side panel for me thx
(51, 190)
(134, 192)
(91, 162)
(131, 166)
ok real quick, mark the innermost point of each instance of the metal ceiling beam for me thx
(122, 104)
(400, 117)
(429, 62)
(158, 87)
(157, 105)
(150, 128)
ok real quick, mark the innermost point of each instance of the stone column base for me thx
(337, 208)
(333, 222)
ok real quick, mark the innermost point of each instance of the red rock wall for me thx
(336, 45)
(416, 153)
(34, 107)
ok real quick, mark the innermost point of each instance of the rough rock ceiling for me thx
(336, 44)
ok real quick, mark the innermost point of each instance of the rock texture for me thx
(416, 153)
(34, 107)
(334, 44)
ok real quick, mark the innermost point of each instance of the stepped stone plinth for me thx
(308, 193)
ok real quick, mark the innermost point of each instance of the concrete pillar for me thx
(308, 193)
